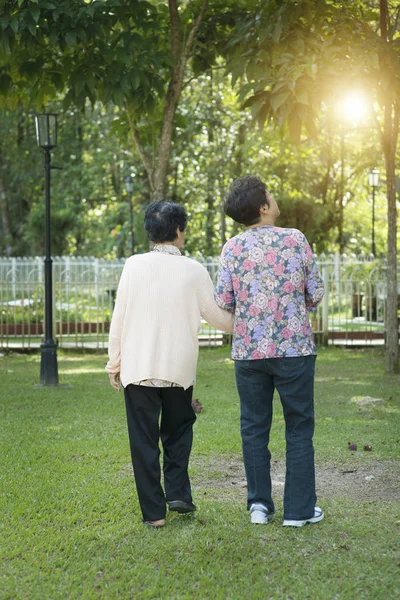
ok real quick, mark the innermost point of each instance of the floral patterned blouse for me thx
(269, 276)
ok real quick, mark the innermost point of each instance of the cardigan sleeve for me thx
(224, 293)
(209, 309)
(114, 341)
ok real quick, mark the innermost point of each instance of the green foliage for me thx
(292, 57)
(212, 146)
(112, 51)
(102, 56)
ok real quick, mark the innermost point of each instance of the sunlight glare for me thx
(353, 107)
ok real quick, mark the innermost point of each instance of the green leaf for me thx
(32, 29)
(70, 38)
(263, 115)
(79, 83)
(68, 99)
(35, 12)
(5, 41)
(295, 128)
(125, 85)
(5, 83)
(236, 71)
(301, 96)
(14, 24)
(91, 82)
(4, 21)
(135, 79)
(311, 128)
(118, 97)
(278, 100)
(261, 97)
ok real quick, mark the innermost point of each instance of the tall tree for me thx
(133, 53)
(389, 90)
(293, 56)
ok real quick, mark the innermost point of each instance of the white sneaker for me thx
(318, 516)
(259, 514)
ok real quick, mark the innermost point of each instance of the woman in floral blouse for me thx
(269, 276)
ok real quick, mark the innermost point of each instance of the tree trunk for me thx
(392, 328)
(211, 176)
(341, 193)
(222, 227)
(7, 235)
(160, 174)
(389, 139)
(241, 138)
(180, 54)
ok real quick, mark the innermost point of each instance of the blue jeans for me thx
(256, 380)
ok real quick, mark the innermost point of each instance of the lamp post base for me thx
(48, 364)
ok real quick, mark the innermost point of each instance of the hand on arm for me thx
(209, 309)
(224, 294)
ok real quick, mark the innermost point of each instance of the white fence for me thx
(353, 309)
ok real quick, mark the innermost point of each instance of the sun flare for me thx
(353, 107)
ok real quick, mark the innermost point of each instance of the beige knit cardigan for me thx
(157, 316)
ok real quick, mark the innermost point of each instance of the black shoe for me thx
(181, 507)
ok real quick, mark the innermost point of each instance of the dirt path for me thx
(368, 482)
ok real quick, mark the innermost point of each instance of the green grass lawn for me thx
(70, 521)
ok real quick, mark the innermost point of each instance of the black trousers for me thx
(143, 408)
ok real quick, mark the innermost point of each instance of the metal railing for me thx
(352, 311)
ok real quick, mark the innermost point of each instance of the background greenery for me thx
(71, 526)
(90, 204)
(259, 76)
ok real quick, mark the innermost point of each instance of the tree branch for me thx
(384, 19)
(180, 58)
(175, 33)
(146, 159)
(189, 41)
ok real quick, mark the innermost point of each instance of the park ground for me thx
(70, 521)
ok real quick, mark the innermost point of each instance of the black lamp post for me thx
(46, 134)
(374, 183)
(129, 190)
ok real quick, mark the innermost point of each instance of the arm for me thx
(114, 341)
(224, 294)
(314, 285)
(209, 309)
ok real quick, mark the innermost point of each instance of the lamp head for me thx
(129, 184)
(373, 178)
(46, 130)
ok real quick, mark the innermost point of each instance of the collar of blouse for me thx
(166, 249)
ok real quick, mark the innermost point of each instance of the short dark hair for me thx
(162, 219)
(246, 196)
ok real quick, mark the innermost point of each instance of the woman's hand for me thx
(115, 381)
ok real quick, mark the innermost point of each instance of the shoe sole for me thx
(152, 525)
(289, 523)
(261, 520)
(180, 508)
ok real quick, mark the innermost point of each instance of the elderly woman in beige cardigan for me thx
(153, 351)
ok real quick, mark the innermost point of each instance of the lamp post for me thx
(373, 179)
(46, 135)
(129, 190)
